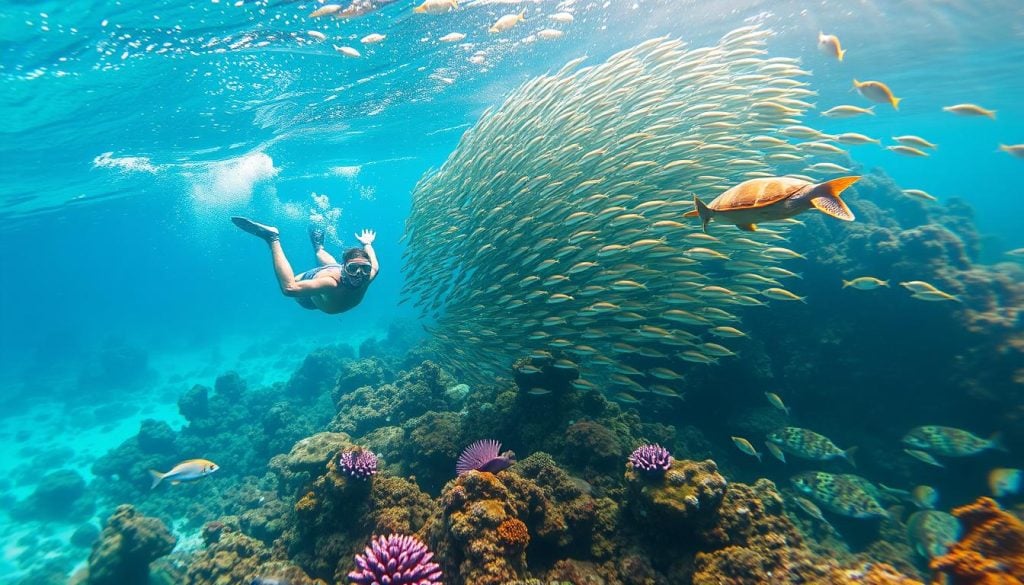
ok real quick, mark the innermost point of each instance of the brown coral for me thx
(128, 544)
(513, 533)
(687, 491)
(991, 551)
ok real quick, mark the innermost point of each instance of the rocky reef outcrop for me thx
(127, 545)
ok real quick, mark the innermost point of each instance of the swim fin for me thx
(264, 232)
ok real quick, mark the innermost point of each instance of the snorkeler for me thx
(330, 287)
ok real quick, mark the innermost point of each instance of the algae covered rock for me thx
(128, 544)
(687, 491)
(308, 458)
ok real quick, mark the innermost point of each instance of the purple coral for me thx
(651, 459)
(484, 456)
(359, 463)
(396, 560)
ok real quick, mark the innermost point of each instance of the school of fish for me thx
(555, 230)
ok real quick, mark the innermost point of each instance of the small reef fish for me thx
(923, 456)
(1004, 481)
(1016, 150)
(507, 21)
(745, 446)
(829, 44)
(781, 294)
(920, 194)
(317, 35)
(915, 141)
(841, 112)
(775, 451)
(807, 444)
(347, 51)
(925, 497)
(436, 6)
(325, 10)
(561, 17)
(811, 509)
(452, 37)
(549, 34)
(854, 138)
(932, 532)
(970, 110)
(877, 91)
(844, 494)
(537, 391)
(865, 283)
(907, 150)
(917, 286)
(935, 295)
(950, 441)
(372, 38)
(776, 401)
(188, 470)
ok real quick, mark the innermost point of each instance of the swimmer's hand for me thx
(367, 237)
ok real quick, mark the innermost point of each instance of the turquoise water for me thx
(132, 131)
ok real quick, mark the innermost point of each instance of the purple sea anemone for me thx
(359, 463)
(484, 456)
(651, 459)
(396, 560)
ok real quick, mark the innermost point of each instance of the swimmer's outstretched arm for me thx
(366, 239)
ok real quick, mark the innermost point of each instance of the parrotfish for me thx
(949, 441)
(188, 470)
(807, 444)
(932, 532)
(844, 494)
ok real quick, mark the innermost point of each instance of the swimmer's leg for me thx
(316, 237)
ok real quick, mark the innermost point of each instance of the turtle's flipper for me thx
(825, 198)
(704, 212)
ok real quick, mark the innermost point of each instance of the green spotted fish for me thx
(807, 444)
(932, 532)
(949, 441)
(844, 494)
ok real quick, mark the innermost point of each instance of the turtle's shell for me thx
(757, 193)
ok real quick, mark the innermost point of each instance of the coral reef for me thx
(490, 520)
(319, 372)
(128, 544)
(336, 515)
(236, 559)
(687, 492)
(991, 551)
(59, 495)
(417, 391)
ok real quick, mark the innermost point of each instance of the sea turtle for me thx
(772, 199)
